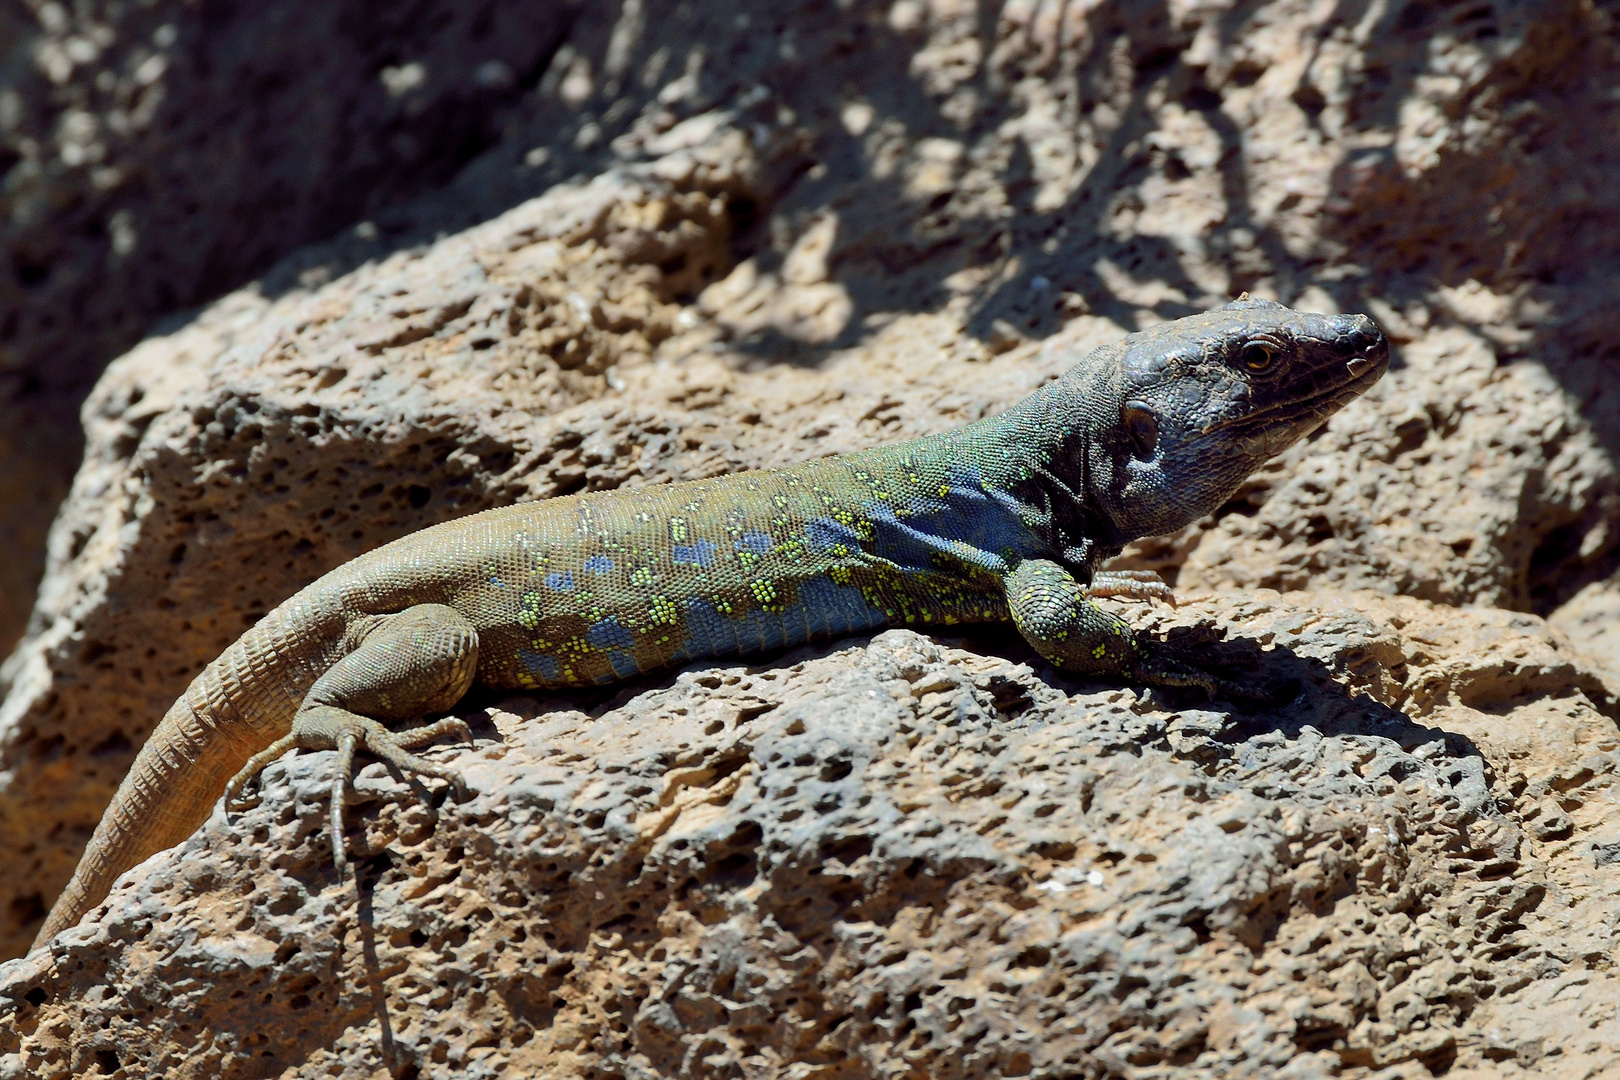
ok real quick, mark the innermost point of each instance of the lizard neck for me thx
(1057, 438)
(1042, 458)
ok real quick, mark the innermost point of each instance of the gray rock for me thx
(895, 854)
(154, 156)
(794, 230)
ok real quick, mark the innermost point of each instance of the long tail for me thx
(168, 792)
(236, 707)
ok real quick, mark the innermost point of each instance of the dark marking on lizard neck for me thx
(1144, 437)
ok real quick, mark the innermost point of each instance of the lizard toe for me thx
(1131, 585)
(235, 798)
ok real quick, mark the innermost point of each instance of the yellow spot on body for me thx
(664, 612)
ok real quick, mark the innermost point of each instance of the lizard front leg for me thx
(419, 661)
(1055, 614)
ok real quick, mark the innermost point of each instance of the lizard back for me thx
(602, 586)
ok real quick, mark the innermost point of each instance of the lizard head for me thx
(1205, 400)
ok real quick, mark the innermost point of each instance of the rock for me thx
(155, 155)
(216, 485)
(714, 239)
(905, 854)
(1592, 617)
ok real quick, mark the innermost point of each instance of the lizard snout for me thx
(1361, 341)
(1358, 333)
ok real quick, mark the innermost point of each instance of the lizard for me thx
(1007, 518)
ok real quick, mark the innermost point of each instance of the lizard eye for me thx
(1142, 428)
(1257, 355)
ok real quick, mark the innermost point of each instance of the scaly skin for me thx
(1003, 519)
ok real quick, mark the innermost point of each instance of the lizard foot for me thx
(327, 727)
(1132, 585)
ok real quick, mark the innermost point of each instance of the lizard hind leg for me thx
(419, 661)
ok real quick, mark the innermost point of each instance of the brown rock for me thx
(784, 232)
(905, 855)
(156, 155)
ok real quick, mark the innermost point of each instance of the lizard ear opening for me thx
(1142, 428)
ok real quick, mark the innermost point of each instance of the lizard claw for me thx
(392, 747)
(249, 773)
(1132, 585)
(326, 727)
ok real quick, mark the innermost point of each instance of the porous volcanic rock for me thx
(906, 857)
(155, 155)
(825, 230)
(714, 239)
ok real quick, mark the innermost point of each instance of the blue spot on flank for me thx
(598, 564)
(759, 631)
(610, 634)
(700, 553)
(539, 664)
(708, 633)
(757, 542)
(969, 523)
(821, 609)
(832, 610)
(825, 534)
(561, 581)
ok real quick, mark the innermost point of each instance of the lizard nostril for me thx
(1356, 333)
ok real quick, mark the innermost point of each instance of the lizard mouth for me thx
(1311, 410)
